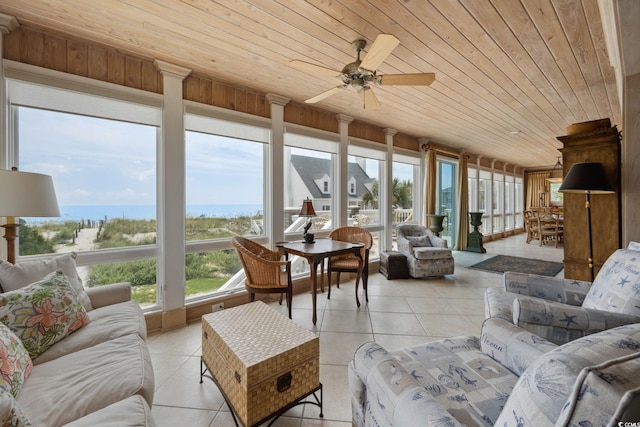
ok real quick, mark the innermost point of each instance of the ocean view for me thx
(98, 212)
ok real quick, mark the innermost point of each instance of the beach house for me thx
(312, 178)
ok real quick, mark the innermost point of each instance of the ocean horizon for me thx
(98, 212)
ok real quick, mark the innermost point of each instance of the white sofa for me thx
(98, 375)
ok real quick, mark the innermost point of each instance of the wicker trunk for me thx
(260, 359)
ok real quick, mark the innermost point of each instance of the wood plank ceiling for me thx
(510, 75)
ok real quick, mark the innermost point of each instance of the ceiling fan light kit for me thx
(361, 74)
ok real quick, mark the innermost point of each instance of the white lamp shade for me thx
(26, 194)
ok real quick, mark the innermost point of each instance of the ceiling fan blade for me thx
(369, 100)
(417, 79)
(380, 49)
(324, 95)
(307, 67)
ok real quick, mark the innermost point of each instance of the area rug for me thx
(502, 263)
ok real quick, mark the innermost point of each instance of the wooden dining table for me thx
(315, 253)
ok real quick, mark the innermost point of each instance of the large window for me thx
(364, 205)
(365, 169)
(557, 197)
(406, 196)
(101, 154)
(498, 202)
(472, 179)
(509, 192)
(405, 175)
(224, 187)
(104, 175)
(484, 200)
(519, 201)
(225, 193)
(309, 164)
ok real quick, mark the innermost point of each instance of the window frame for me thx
(71, 94)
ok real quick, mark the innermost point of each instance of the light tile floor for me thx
(399, 313)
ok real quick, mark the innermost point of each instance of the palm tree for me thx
(370, 198)
(402, 194)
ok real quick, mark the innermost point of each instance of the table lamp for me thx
(307, 211)
(587, 178)
(24, 194)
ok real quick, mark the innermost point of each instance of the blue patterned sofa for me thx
(427, 254)
(562, 310)
(507, 377)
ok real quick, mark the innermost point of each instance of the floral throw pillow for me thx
(15, 363)
(43, 312)
(11, 414)
(16, 276)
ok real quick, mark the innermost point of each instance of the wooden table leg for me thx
(322, 275)
(314, 277)
(358, 276)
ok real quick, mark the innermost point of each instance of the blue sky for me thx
(104, 162)
(91, 160)
(223, 170)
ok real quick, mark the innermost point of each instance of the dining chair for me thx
(550, 229)
(349, 262)
(531, 225)
(264, 271)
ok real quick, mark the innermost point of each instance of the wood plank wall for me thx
(402, 140)
(362, 130)
(69, 56)
(219, 94)
(80, 58)
(311, 117)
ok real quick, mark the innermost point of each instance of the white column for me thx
(275, 186)
(490, 196)
(386, 207)
(504, 199)
(477, 208)
(171, 206)
(422, 208)
(341, 203)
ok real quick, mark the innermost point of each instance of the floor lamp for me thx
(587, 178)
(24, 194)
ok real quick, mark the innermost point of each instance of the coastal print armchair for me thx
(427, 254)
(508, 377)
(562, 310)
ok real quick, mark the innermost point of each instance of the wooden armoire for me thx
(594, 141)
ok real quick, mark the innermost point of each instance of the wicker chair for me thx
(349, 262)
(263, 270)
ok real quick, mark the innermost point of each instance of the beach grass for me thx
(205, 272)
(147, 294)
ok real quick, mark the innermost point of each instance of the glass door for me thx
(446, 198)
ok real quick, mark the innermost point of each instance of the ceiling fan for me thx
(361, 74)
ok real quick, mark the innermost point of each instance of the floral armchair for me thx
(562, 310)
(427, 254)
